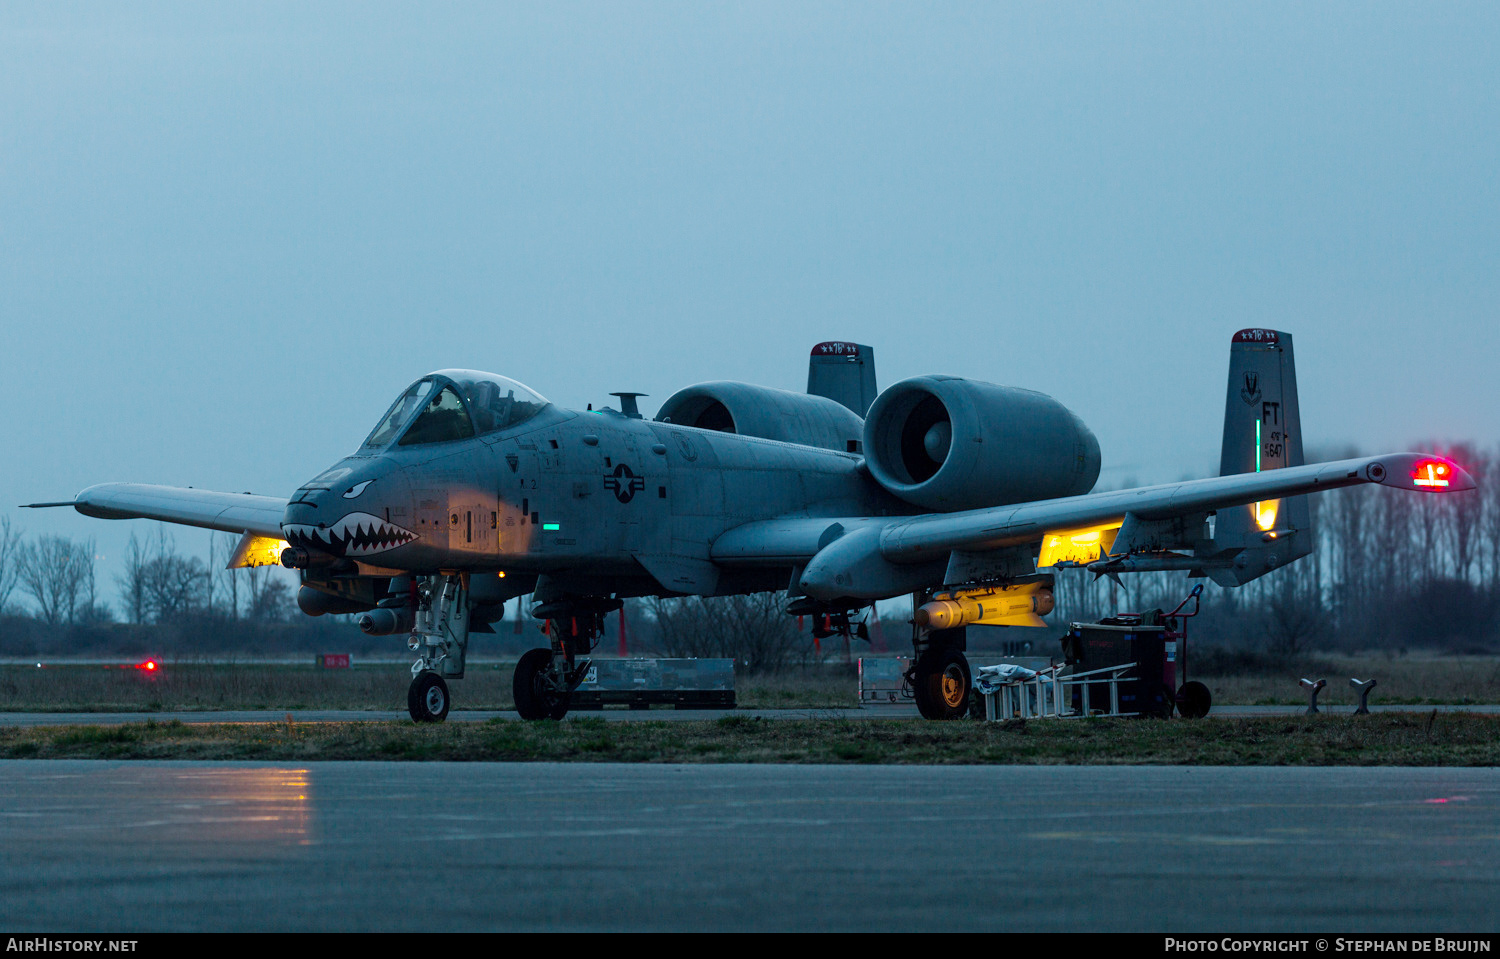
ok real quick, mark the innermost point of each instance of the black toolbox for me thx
(1145, 689)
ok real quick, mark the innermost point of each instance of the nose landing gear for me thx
(440, 637)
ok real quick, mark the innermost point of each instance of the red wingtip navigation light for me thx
(1431, 474)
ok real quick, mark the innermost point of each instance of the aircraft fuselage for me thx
(587, 493)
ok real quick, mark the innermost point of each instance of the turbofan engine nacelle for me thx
(945, 443)
(766, 413)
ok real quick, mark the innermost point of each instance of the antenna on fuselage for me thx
(628, 405)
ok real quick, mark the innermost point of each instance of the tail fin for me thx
(1262, 431)
(844, 373)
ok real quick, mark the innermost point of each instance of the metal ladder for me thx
(1048, 695)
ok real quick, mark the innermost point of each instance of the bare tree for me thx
(754, 630)
(58, 574)
(1295, 615)
(10, 560)
(174, 586)
(1466, 512)
(132, 581)
(1491, 524)
(229, 579)
(270, 598)
(158, 583)
(90, 609)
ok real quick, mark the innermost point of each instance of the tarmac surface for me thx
(102, 846)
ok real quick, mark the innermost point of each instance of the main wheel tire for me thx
(943, 684)
(535, 696)
(427, 698)
(1194, 701)
(919, 696)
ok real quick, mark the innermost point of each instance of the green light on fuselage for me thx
(1257, 446)
(554, 526)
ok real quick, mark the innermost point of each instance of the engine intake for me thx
(945, 443)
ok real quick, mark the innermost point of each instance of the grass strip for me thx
(1396, 739)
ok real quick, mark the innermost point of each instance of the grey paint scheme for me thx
(799, 418)
(845, 373)
(1002, 444)
(1262, 392)
(228, 512)
(643, 507)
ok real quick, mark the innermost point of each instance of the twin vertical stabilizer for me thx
(843, 372)
(1262, 431)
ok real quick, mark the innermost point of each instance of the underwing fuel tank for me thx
(1023, 605)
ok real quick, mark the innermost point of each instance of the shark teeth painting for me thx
(357, 534)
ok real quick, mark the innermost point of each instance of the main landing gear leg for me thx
(940, 678)
(545, 678)
(440, 638)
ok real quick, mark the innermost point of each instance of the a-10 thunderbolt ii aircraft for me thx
(473, 490)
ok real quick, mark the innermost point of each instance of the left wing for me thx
(229, 512)
(864, 558)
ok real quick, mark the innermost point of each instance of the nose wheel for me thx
(427, 698)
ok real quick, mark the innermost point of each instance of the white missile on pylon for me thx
(1023, 605)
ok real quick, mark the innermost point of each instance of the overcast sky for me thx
(230, 234)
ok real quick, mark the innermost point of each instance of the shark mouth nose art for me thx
(357, 534)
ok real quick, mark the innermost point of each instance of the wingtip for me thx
(1423, 472)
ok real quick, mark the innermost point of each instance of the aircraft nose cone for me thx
(305, 508)
(349, 517)
(304, 516)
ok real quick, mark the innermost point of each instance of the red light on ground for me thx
(149, 666)
(1431, 474)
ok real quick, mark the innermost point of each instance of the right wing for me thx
(866, 558)
(229, 512)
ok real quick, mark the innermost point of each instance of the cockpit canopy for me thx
(455, 405)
